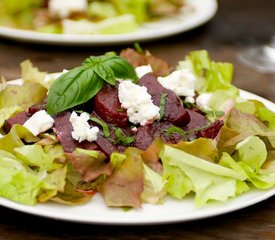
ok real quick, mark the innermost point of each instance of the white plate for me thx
(95, 212)
(201, 12)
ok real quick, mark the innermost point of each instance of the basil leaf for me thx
(120, 66)
(82, 83)
(73, 88)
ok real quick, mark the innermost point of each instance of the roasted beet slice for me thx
(63, 129)
(108, 107)
(197, 120)
(19, 118)
(146, 134)
(211, 131)
(174, 113)
(107, 147)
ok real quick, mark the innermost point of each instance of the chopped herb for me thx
(122, 138)
(105, 127)
(174, 129)
(138, 48)
(198, 129)
(120, 109)
(162, 104)
(187, 105)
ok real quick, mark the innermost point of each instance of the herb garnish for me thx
(105, 127)
(82, 83)
(162, 103)
(122, 138)
(174, 129)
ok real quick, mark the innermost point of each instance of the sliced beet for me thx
(211, 131)
(19, 118)
(146, 134)
(63, 129)
(108, 107)
(174, 112)
(197, 120)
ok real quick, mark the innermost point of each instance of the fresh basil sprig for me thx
(82, 83)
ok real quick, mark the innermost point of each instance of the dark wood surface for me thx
(237, 24)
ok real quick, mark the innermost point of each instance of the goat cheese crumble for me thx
(138, 102)
(181, 82)
(39, 122)
(81, 128)
(203, 100)
(142, 70)
(63, 8)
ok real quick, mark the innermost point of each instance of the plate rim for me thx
(222, 207)
(205, 10)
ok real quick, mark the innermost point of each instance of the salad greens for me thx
(99, 16)
(36, 169)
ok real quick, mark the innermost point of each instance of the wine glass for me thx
(260, 58)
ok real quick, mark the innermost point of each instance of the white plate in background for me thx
(197, 13)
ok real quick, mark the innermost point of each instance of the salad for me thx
(85, 16)
(135, 130)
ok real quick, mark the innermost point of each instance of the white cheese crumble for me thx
(81, 128)
(181, 82)
(203, 100)
(63, 8)
(190, 99)
(142, 70)
(39, 122)
(138, 102)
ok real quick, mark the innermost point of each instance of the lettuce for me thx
(23, 96)
(154, 186)
(258, 109)
(18, 15)
(7, 112)
(116, 25)
(21, 183)
(212, 75)
(209, 181)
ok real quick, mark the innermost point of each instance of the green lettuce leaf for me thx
(14, 138)
(23, 96)
(116, 25)
(154, 186)
(213, 75)
(20, 183)
(258, 109)
(32, 74)
(35, 156)
(252, 151)
(7, 112)
(209, 181)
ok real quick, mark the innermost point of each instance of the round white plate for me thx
(197, 13)
(95, 212)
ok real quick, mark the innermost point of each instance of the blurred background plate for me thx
(195, 14)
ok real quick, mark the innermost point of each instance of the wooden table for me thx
(236, 25)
